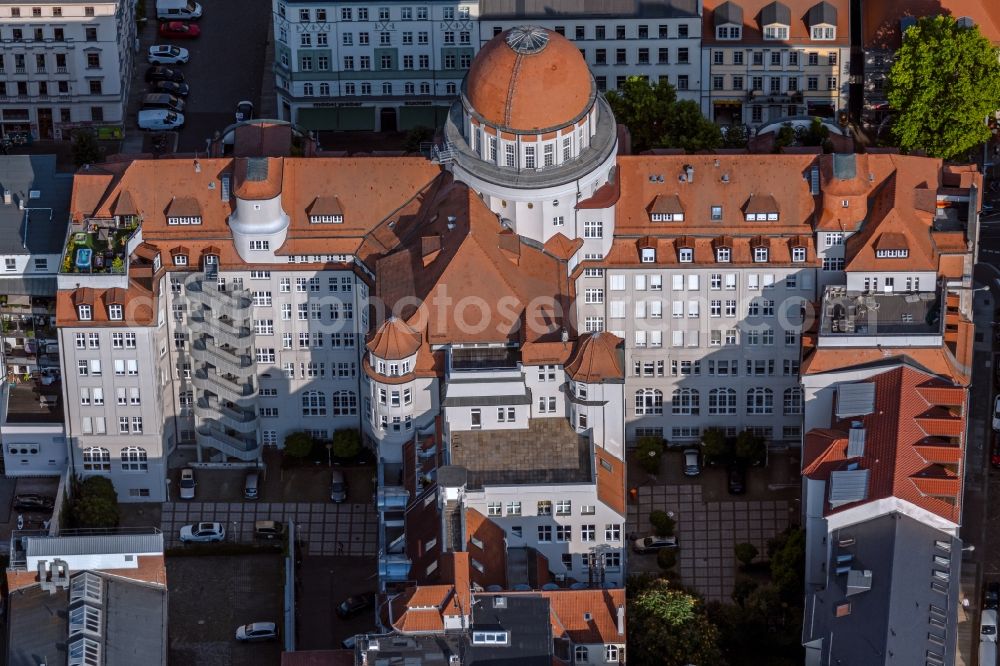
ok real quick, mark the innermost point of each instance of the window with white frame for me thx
(760, 401)
(685, 401)
(593, 229)
(648, 401)
(722, 401)
(134, 459)
(798, 254)
(760, 254)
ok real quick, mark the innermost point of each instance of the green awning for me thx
(422, 116)
(335, 119)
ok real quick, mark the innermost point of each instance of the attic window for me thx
(326, 219)
(823, 33)
(180, 260)
(716, 212)
(762, 217)
(490, 638)
(729, 32)
(892, 254)
(760, 255)
(648, 255)
(798, 254)
(116, 312)
(667, 217)
(190, 219)
(776, 32)
(85, 312)
(723, 255)
(685, 255)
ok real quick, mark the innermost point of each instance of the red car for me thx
(179, 30)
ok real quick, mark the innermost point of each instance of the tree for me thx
(666, 558)
(735, 136)
(944, 82)
(669, 627)
(99, 486)
(95, 511)
(715, 446)
(817, 134)
(85, 148)
(784, 137)
(346, 443)
(298, 444)
(662, 523)
(750, 448)
(742, 589)
(787, 553)
(745, 553)
(648, 454)
(656, 119)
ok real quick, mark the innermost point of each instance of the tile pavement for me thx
(321, 525)
(707, 532)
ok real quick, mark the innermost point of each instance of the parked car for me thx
(188, 483)
(160, 119)
(692, 462)
(179, 30)
(737, 480)
(162, 101)
(991, 596)
(268, 530)
(203, 533)
(338, 487)
(353, 606)
(158, 73)
(32, 502)
(652, 544)
(167, 54)
(244, 111)
(251, 486)
(171, 88)
(996, 414)
(988, 625)
(257, 631)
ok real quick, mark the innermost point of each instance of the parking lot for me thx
(710, 522)
(324, 582)
(226, 66)
(210, 596)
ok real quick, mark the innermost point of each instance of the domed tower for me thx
(532, 135)
(258, 221)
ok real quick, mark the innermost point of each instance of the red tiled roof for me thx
(798, 30)
(570, 610)
(394, 340)
(611, 482)
(596, 358)
(881, 27)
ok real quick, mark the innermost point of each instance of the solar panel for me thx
(856, 442)
(855, 399)
(847, 487)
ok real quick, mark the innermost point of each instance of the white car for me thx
(996, 414)
(257, 631)
(160, 119)
(187, 483)
(163, 54)
(203, 533)
(988, 626)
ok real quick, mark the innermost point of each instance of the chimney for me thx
(689, 172)
(8, 197)
(621, 620)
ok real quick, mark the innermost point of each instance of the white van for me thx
(160, 119)
(178, 10)
(987, 653)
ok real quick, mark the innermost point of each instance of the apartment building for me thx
(64, 65)
(370, 66)
(657, 41)
(766, 61)
(882, 28)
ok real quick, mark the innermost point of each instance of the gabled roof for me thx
(597, 359)
(586, 616)
(325, 205)
(183, 207)
(898, 432)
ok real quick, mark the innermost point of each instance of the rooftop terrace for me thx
(30, 402)
(98, 245)
(867, 314)
(548, 451)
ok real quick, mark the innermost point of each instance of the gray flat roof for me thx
(854, 313)
(584, 9)
(27, 176)
(94, 544)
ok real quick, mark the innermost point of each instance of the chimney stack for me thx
(621, 620)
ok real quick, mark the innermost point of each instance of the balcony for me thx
(210, 435)
(224, 330)
(231, 417)
(224, 359)
(225, 387)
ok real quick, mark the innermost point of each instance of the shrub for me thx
(745, 553)
(298, 444)
(666, 559)
(95, 511)
(662, 524)
(98, 486)
(648, 454)
(346, 444)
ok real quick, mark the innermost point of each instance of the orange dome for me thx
(529, 78)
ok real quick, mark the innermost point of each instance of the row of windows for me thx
(542, 508)
(125, 340)
(115, 312)
(419, 13)
(774, 83)
(341, 403)
(692, 282)
(365, 88)
(122, 367)
(17, 12)
(642, 56)
(95, 396)
(98, 459)
(314, 340)
(788, 432)
(588, 533)
(721, 401)
(641, 31)
(776, 32)
(775, 58)
(714, 367)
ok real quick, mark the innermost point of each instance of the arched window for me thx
(760, 401)
(648, 401)
(313, 404)
(793, 400)
(96, 459)
(685, 401)
(134, 459)
(722, 401)
(580, 654)
(344, 403)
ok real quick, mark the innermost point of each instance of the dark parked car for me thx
(991, 596)
(33, 503)
(171, 88)
(737, 480)
(158, 73)
(353, 606)
(268, 530)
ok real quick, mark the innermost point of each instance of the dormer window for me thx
(685, 255)
(326, 219)
(892, 254)
(729, 32)
(648, 255)
(85, 312)
(723, 255)
(180, 260)
(760, 255)
(776, 32)
(115, 312)
(761, 217)
(667, 217)
(156, 262)
(775, 18)
(822, 21)
(490, 638)
(666, 208)
(728, 21)
(798, 254)
(823, 33)
(716, 212)
(185, 219)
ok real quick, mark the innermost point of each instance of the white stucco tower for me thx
(532, 135)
